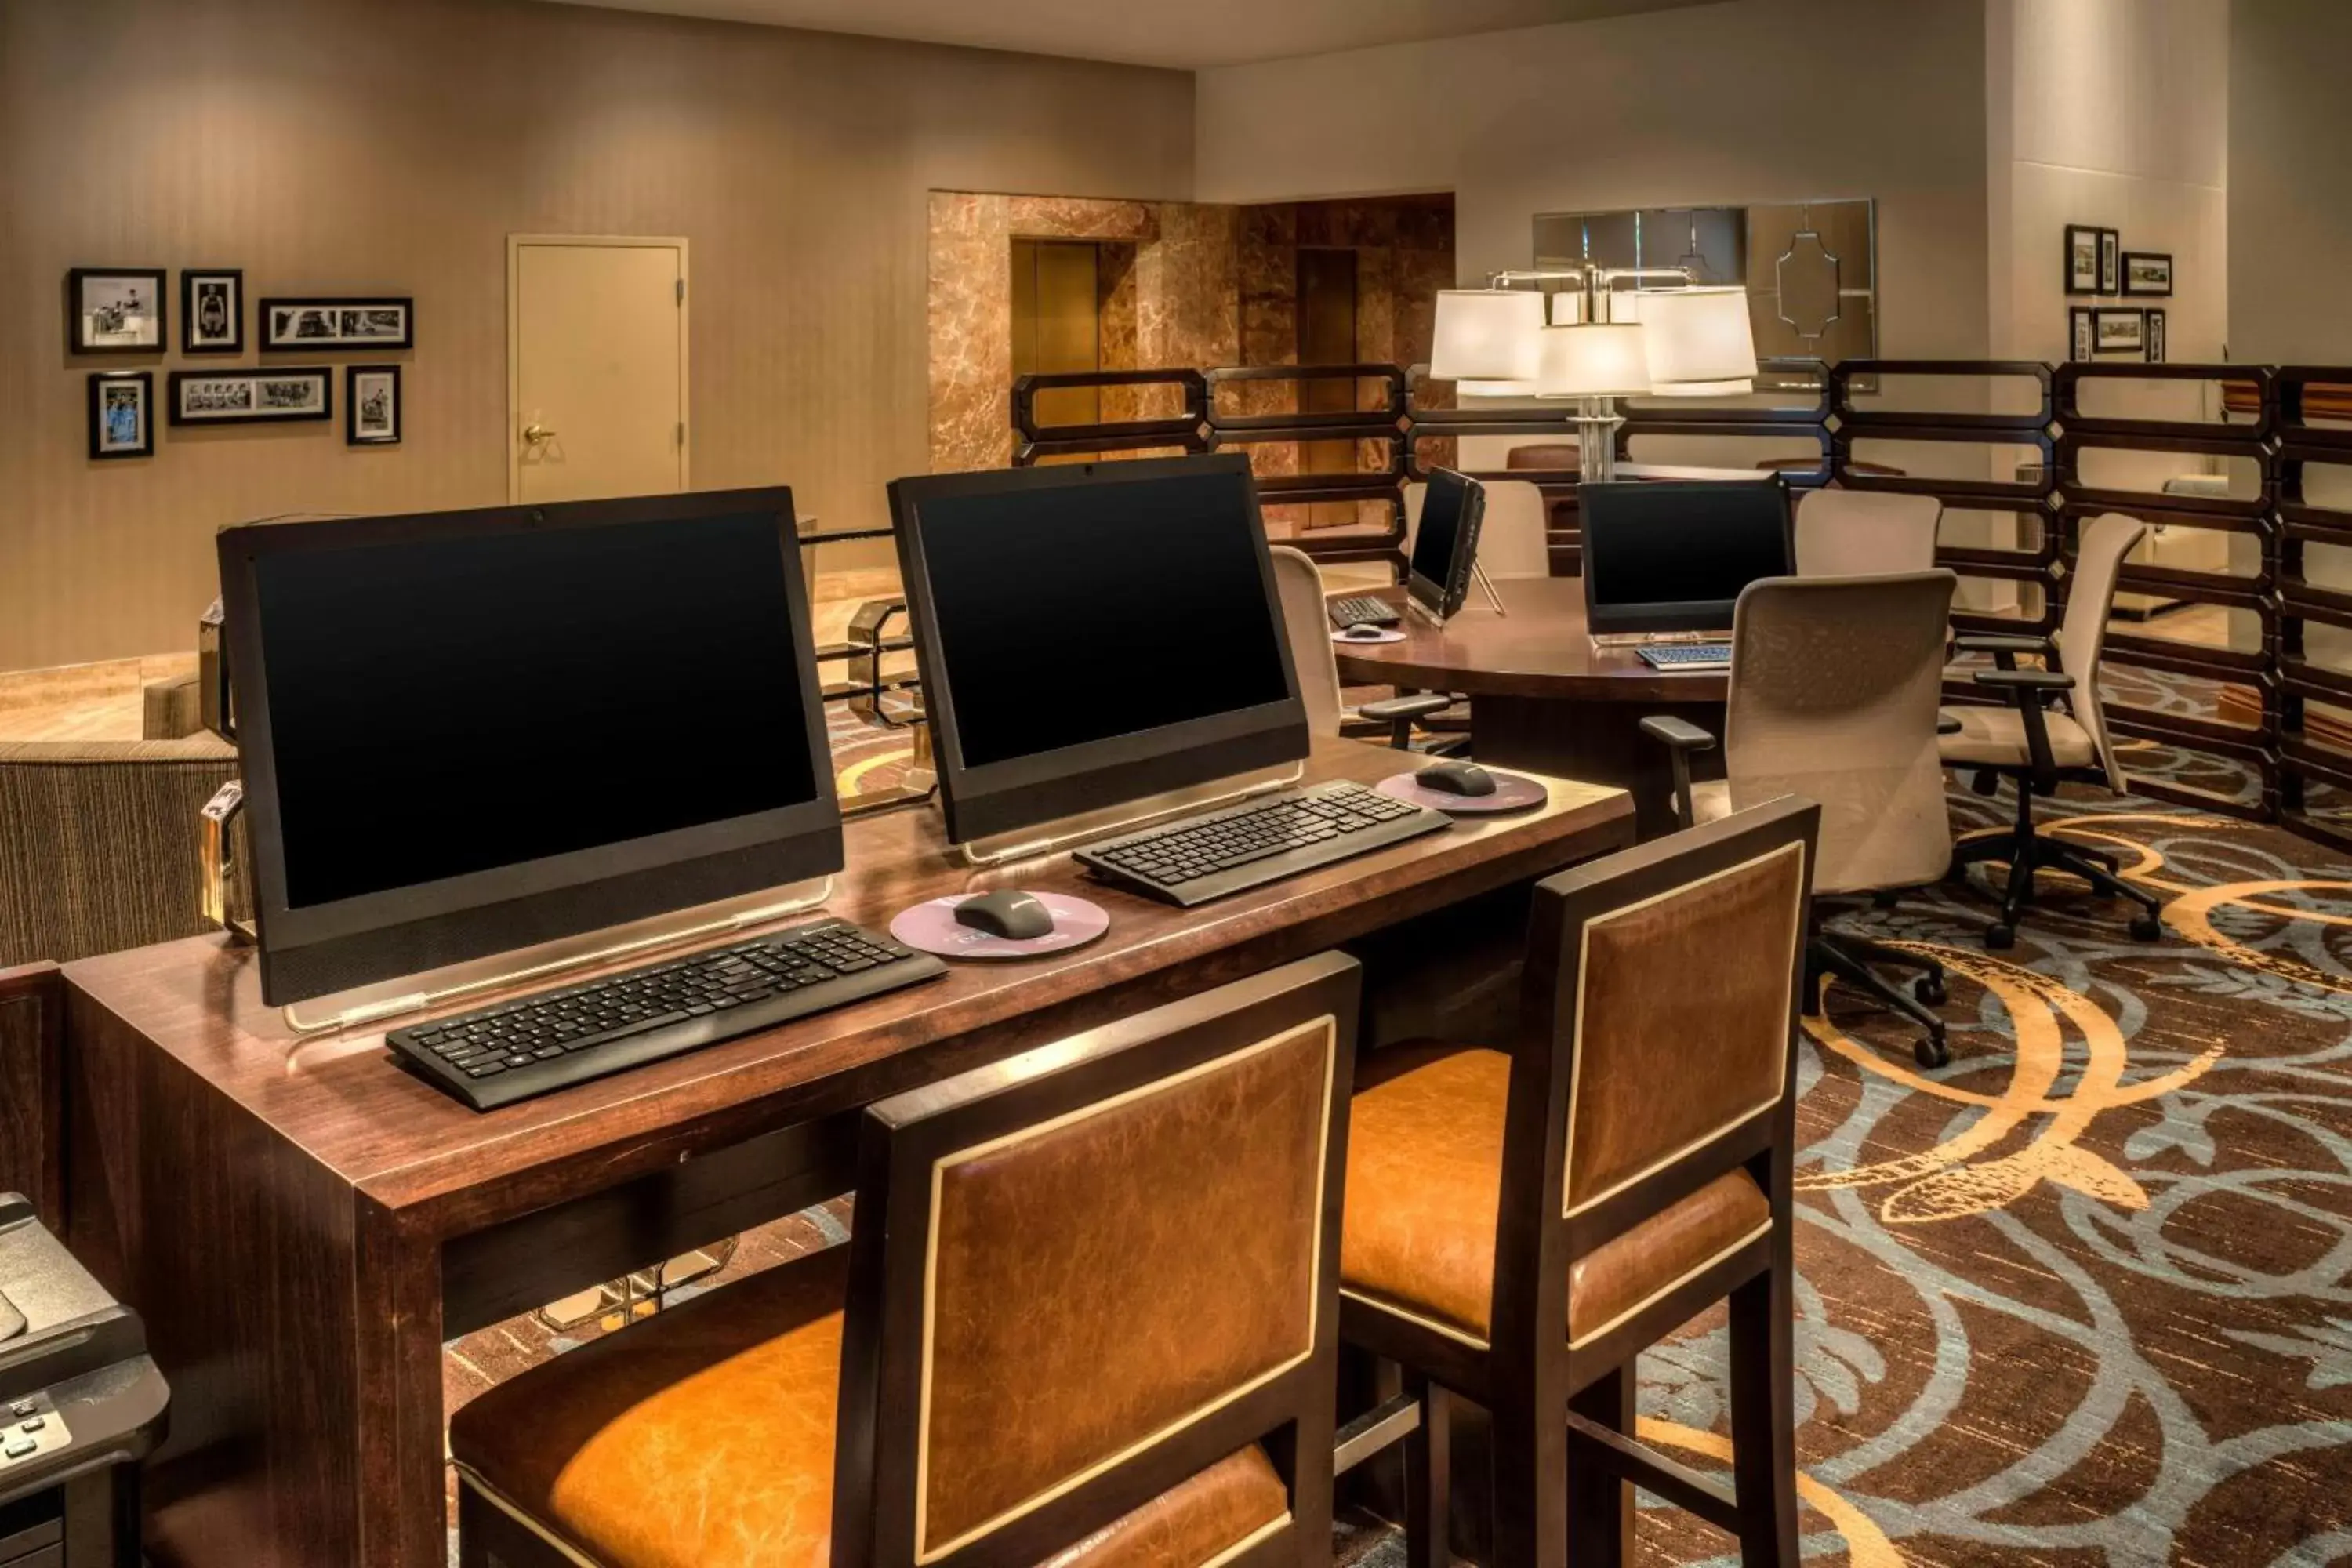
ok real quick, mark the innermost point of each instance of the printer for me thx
(80, 1405)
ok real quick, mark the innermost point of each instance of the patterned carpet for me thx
(2084, 1297)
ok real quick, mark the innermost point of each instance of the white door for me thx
(596, 367)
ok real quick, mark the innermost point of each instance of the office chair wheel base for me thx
(1932, 1052)
(2000, 938)
(2146, 927)
(1929, 989)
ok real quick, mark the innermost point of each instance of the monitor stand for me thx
(1421, 611)
(705, 923)
(1063, 833)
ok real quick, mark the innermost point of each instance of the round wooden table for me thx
(1543, 696)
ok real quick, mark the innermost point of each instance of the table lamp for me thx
(1596, 364)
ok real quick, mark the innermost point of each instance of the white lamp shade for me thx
(1487, 335)
(1606, 359)
(1702, 343)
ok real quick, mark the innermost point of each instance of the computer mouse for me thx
(1014, 915)
(1363, 631)
(1456, 778)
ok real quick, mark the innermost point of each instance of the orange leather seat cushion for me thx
(1424, 1186)
(703, 1437)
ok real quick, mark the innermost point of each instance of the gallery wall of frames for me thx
(2268, 708)
(127, 310)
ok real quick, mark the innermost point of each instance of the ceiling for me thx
(1186, 37)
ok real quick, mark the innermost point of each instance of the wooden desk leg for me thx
(403, 1500)
(1598, 742)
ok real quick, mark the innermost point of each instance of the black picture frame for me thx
(197, 289)
(2111, 261)
(2082, 271)
(2082, 335)
(355, 409)
(251, 411)
(2154, 260)
(79, 336)
(103, 385)
(294, 334)
(2103, 318)
(2152, 337)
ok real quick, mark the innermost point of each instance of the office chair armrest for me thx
(1399, 712)
(2030, 688)
(2004, 649)
(2036, 680)
(1680, 737)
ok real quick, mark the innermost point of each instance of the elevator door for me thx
(1326, 335)
(1056, 323)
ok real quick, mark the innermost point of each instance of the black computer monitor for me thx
(1094, 633)
(467, 732)
(1664, 556)
(1445, 548)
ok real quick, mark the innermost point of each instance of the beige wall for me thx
(2113, 113)
(343, 146)
(1755, 101)
(2290, 182)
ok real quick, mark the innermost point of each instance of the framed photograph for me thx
(123, 414)
(2111, 262)
(291, 325)
(2082, 260)
(2155, 335)
(2081, 342)
(252, 396)
(114, 310)
(2148, 274)
(2118, 332)
(212, 310)
(372, 405)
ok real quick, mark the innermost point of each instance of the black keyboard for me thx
(538, 1044)
(1208, 856)
(1364, 611)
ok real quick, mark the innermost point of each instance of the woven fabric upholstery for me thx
(171, 709)
(97, 843)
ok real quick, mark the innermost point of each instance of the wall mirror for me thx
(1810, 269)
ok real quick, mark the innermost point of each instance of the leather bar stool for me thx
(1087, 1316)
(1522, 1221)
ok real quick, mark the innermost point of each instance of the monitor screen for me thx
(1446, 541)
(455, 710)
(1073, 616)
(1669, 556)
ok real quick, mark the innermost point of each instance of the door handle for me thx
(537, 434)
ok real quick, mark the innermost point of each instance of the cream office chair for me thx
(1860, 533)
(1307, 621)
(1834, 682)
(2039, 748)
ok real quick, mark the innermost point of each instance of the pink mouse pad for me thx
(1387, 633)
(1512, 793)
(932, 927)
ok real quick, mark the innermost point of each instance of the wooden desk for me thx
(303, 1224)
(1542, 698)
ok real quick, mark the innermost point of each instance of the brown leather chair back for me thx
(1087, 1275)
(1657, 1051)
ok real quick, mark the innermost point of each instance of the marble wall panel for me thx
(970, 325)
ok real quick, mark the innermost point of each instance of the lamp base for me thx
(1597, 423)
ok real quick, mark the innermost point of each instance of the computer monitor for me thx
(1094, 633)
(1672, 556)
(472, 731)
(1445, 549)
